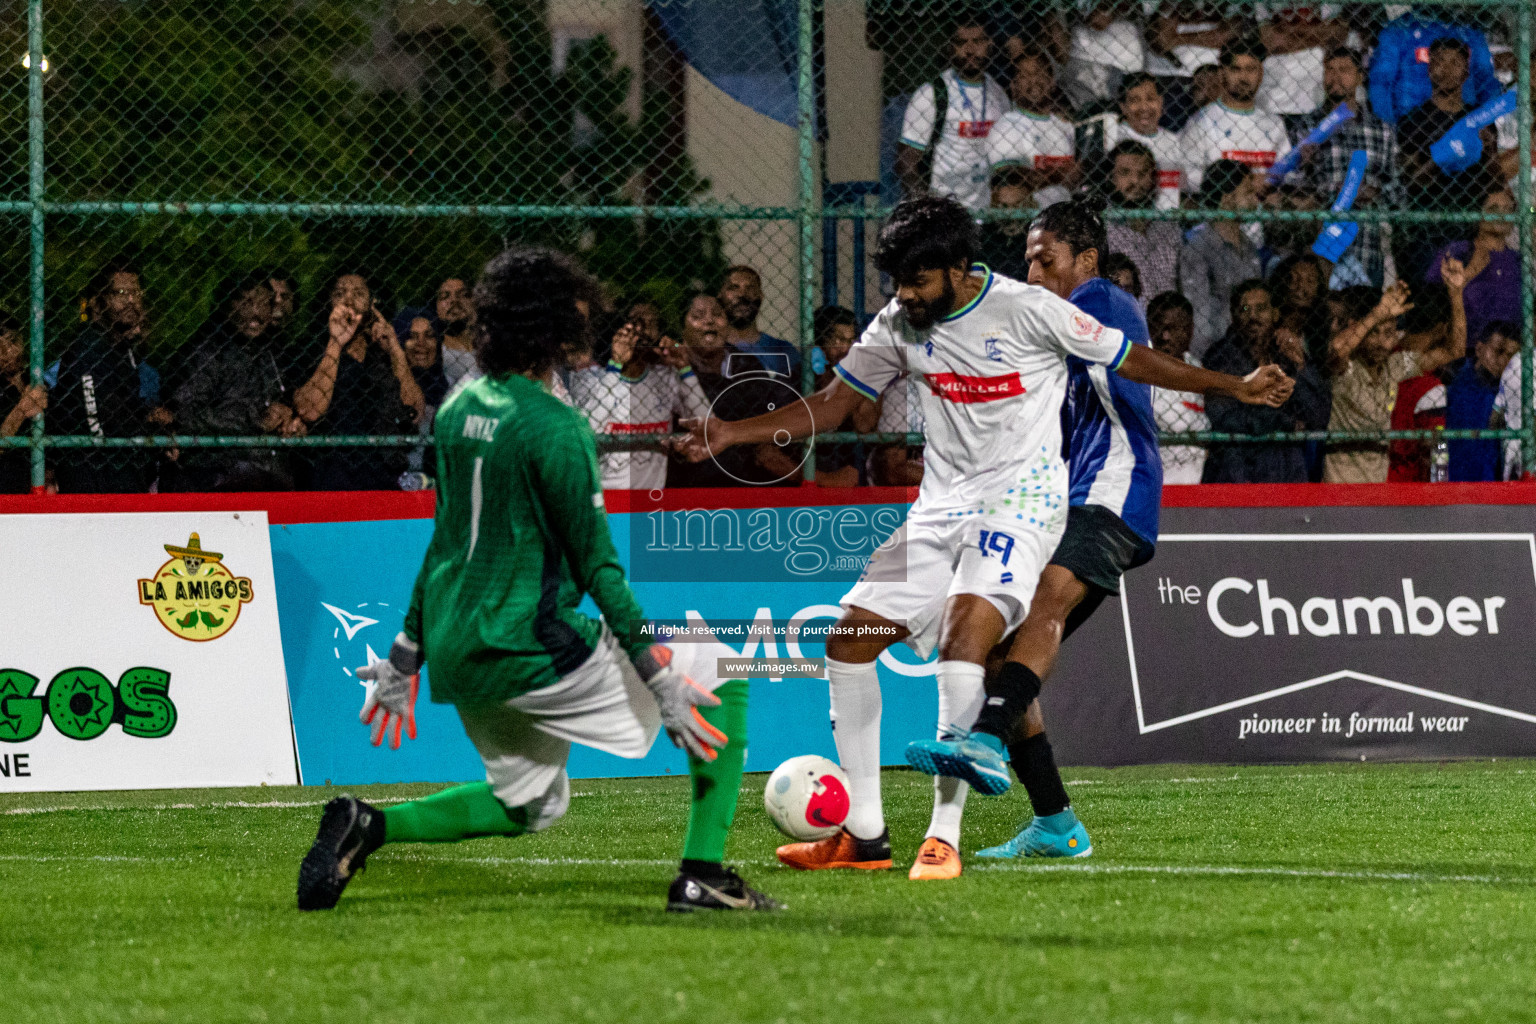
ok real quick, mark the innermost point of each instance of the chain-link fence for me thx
(242, 236)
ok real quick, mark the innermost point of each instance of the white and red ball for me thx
(807, 797)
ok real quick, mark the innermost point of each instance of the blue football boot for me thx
(1057, 835)
(974, 757)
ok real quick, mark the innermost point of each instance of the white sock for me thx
(961, 695)
(856, 730)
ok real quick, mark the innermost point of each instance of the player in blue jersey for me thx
(1115, 493)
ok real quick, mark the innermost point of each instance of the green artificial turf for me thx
(1332, 893)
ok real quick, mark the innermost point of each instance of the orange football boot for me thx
(936, 861)
(843, 850)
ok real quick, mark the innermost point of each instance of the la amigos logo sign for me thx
(194, 595)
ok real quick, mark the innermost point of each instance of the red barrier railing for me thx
(287, 507)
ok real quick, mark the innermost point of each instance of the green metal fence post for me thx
(35, 195)
(1523, 185)
(810, 180)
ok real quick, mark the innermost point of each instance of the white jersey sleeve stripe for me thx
(854, 382)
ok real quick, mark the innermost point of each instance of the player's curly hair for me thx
(1078, 221)
(926, 233)
(526, 302)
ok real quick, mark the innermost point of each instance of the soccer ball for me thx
(807, 797)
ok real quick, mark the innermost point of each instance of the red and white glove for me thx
(391, 700)
(678, 698)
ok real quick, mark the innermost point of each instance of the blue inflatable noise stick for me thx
(1316, 137)
(1462, 147)
(1338, 236)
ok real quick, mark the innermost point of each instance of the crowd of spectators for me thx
(1159, 107)
(253, 370)
(1192, 106)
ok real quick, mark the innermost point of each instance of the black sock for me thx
(1036, 768)
(1008, 698)
(706, 870)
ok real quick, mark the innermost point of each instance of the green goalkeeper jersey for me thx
(520, 535)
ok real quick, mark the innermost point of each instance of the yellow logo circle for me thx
(194, 595)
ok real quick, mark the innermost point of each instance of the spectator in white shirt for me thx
(1141, 111)
(1184, 37)
(1104, 47)
(1032, 136)
(1297, 39)
(1137, 119)
(1233, 128)
(1171, 324)
(946, 150)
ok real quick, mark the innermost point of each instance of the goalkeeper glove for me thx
(391, 699)
(678, 698)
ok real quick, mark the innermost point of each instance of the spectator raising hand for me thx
(362, 385)
(1371, 359)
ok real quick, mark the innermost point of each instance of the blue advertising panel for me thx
(343, 589)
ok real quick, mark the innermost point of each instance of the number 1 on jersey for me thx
(476, 499)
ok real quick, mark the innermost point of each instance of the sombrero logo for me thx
(194, 595)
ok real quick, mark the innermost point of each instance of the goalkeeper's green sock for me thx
(717, 783)
(459, 812)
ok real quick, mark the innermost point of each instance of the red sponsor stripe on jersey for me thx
(975, 129)
(1168, 179)
(1260, 158)
(957, 387)
(658, 427)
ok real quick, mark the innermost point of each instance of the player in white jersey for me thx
(643, 386)
(1234, 128)
(961, 572)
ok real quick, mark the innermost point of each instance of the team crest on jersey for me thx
(994, 350)
(1085, 326)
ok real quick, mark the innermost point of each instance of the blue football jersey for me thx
(1107, 421)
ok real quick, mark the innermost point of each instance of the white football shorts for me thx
(912, 576)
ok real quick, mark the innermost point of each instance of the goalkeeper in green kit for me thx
(520, 536)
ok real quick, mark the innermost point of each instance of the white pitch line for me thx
(1242, 871)
(1195, 870)
(246, 804)
(602, 862)
(219, 806)
(47, 858)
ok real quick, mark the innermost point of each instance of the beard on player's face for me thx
(923, 312)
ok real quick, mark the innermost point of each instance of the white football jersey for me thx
(993, 376)
(960, 153)
(645, 406)
(1217, 132)
(1040, 141)
(1167, 151)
